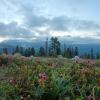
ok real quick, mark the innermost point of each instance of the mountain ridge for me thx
(11, 44)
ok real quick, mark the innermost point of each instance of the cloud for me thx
(12, 30)
(59, 23)
(29, 13)
(30, 19)
(36, 21)
(49, 27)
(69, 24)
(85, 25)
(79, 40)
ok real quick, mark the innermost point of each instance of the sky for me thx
(76, 21)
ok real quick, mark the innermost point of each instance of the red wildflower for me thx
(88, 97)
(12, 81)
(42, 76)
(49, 64)
(89, 62)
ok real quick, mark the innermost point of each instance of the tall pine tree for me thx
(42, 51)
(54, 48)
(92, 54)
(5, 50)
(76, 53)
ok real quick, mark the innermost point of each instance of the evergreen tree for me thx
(87, 56)
(54, 48)
(72, 52)
(46, 47)
(58, 48)
(32, 51)
(17, 49)
(5, 50)
(92, 55)
(65, 51)
(68, 53)
(76, 53)
(97, 55)
(27, 52)
(42, 51)
(21, 50)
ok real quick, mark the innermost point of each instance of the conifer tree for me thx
(17, 49)
(42, 51)
(97, 55)
(5, 50)
(92, 54)
(76, 53)
(54, 47)
(32, 51)
(46, 47)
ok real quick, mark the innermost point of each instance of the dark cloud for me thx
(64, 23)
(79, 40)
(33, 19)
(85, 25)
(13, 30)
(59, 23)
(36, 21)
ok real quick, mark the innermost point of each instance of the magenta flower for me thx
(88, 97)
(42, 76)
(90, 62)
(21, 97)
(12, 81)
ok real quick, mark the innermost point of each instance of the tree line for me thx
(53, 48)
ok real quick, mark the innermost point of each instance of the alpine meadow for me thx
(49, 50)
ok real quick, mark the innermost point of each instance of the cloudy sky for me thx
(73, 20)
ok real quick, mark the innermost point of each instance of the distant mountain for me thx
(84, 48)
(10, 44)
(23, 43)
(5, 45)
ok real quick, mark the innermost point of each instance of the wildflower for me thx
(21, 97)
(89, 97)
(12, 81)
(76, 58)
(49, 64)
(42, 76)
(89, 62)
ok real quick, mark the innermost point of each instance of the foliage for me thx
(51, 48)
(49, 79)
(54, 48)
(42, 51)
